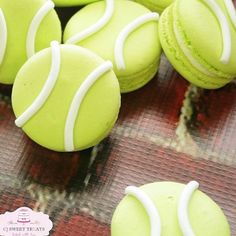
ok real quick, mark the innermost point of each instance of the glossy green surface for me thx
(131, 219)
(98, 111)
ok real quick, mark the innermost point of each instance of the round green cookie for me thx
(156, 5)
(199, 39)
(69, 3)
(123, 32)
(25, 27)
(168, 209)
(66, 98)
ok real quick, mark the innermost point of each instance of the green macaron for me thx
(124, 32)
(66, 98)
(156, 5)
(168, 209)
(69, 3)
(199, 39)
(25, 28)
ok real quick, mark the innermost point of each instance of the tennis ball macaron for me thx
(69, 3)
(199, 39)
(25, 28)
(156, 5)
(66, 98)
(124, 32)
(168, 209)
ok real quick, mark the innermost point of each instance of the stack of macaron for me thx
(110, 46)
(103, 54)
(66, 95)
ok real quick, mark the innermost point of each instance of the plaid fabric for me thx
(168, 130)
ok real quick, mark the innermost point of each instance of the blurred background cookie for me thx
(25, 28)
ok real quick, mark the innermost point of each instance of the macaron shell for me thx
(138, 80)
(18, 16)
(98, 111)
(155, 5)
(69, 3)
(130, 218)
(51, 28)
(139, 52)
(194, 14)
(179, 60)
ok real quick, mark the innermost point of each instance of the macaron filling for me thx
(208, 71)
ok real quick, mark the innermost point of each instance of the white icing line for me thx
(119, 46)
(77, 101)
(150, 208)
(231, 10)
(47, 88)
(96, 27)
(3, 36)
(225, 30)
(35, 23)
(188, 54)
(183, 215)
